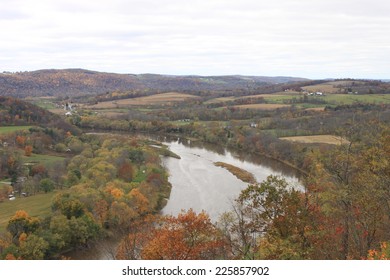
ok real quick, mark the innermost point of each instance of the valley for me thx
(168, 154)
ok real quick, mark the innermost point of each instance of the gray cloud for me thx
(311, 38)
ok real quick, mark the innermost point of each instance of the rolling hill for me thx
(71, 82)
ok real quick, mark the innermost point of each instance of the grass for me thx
(156, 99)
(262, 106)
(325, 88)
(47, 160)
(220, 99)
(278, 96)
(340, 99)
(38, 205)
(241, 174)
(11, 129)
(326, 139)
(45, 103)
(140, 176)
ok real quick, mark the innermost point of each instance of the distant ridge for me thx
(70, 82)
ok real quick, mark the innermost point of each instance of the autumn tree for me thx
(21, 223)
(187, 236)
(140, 233)
(20, 140)
(351, 186)
(270, 220)
(28, 150)
(126, 171)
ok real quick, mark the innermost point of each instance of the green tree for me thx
(47, 185)
(33, 248)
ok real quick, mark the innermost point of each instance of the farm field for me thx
(324, 88)
(273, 96)
(156, 99)
(37, 205)
(46, 160)
(43, 102)
(331, 87)
(262, 106)
(340, 99)
(10, 129)
(325, 139)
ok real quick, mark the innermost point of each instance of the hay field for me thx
(156, 99)
(326, 139)
(330, 87)
(262, 106)
(286, 95)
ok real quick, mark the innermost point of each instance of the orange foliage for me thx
(114, 191)
(38, 169)
(383, 254)
(139, 201)
(28, 150)
(189, 236)
(20, 214)
(101, 210)
(20, 140)
(10, 257)
(22, 237)
(131, 246)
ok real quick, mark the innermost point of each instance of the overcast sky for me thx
(305, 38)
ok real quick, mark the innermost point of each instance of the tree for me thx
(33, 248)
(139, 202)
(270, 220)
(187, 236)
(68, 205)
(126, 171)
(22, 222)
(140, 233)
(351, 185)
(20, 140)
(47, 185)
(28, 150)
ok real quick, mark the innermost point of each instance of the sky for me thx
(302, 38)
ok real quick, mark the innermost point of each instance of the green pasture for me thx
(38, 205)
(46, 160)
(11, 129)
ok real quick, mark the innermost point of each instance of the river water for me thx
(198, 184)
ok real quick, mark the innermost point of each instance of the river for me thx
(198, 184)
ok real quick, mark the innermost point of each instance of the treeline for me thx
(362, 121)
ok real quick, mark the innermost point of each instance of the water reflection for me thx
(198, 184)
(242, 156)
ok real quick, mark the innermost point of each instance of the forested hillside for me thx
(78, 81)
(14, 111)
